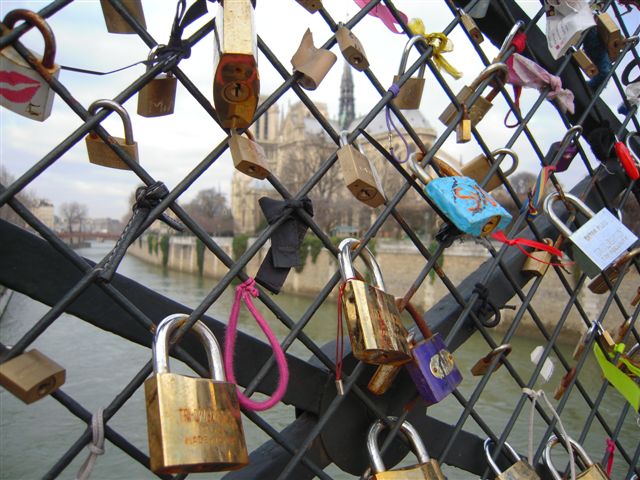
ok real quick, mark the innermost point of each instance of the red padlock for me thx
(626, 158)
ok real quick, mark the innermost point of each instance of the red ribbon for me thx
(611, 448)
(519, 242)
(384, 14)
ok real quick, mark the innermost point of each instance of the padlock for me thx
(597, 243)
(584, 62)
(610, 34)
(427, 469)
(99, 152)
(24, 90)
(593, 470)
(158, 97)
(313, 63)
(311, 6)
(248, 155)
(636, 299)
(626, 158)
(115, 22)
(520, 470)
(482, 105)
(539, 265)
(480, 165)
(360, 175)
(585, 338)
(469, 24)
(463, 202)
(194, 424)
(375, 330)
(569, 143)
(564, 383)
(410, 93)
(599, 285)
(236, 83)
(351, 48)
(383, 378)
(481, 367)
(31, 376)
(463, 129)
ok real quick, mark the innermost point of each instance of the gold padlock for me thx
(194, 424)
(375, 330)
(469, 24)
(311, 6)
(584, 62)
(539, 265)
(594, 329)
(236, 83)
(427, 469)
(31, 376)
(383, 378)
(99, 152)
(115, 22)
(158, 97)
(313, 63)
(599, 285)
(610, 34)
(482, 366)
(593, 470)
(248, 155)
(480, 165)
(521, 470)
(463, 129)
(483, 104)
(360, 175)
(351, 48)
(410, 93)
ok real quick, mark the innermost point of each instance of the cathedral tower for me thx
(347, 108)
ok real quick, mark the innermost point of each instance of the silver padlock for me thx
(520, 470)
(593, 472)
(597, 243)
(410, 93)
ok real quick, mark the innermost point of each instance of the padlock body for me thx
(424, 471)
(478, 169)
(599, 285)
(115, 22)
(476, 112)
(433, 369)
(375, 330)
(535, 267)
(585, 63)
(610, 34)
(594, 472)
(194, 425)
(101, 154)
(31, 376)
(248, 157)
(471, 209)
(352, 49)
(360, 176)
(158, 97)
(410, 94)
(463, 131)
(470, 26)
(311, 6)
(520, 470)
(313, 63)
(383, 378)
(565, 159)
(25, 92)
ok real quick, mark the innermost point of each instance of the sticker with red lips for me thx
(26, 87)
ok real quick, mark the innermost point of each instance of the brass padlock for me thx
(194, 424)
(584, 62)
(313, 63)
(31, 376)
(593, 470)
(483, 104)
(463, 129)
(410, 93)
(375, 330)
(481, 367)
(351, 48)
(539, 265)
(610, 34)
(248, 155)
(599, 285)
(236, 83)
(311, 6)
(383, 378)
(521, 470)
(360, 175)
(99, 152)
(478, 168)
(158, 97)
(427, 469)
(469, 24)
(115, 22)
(594, 329)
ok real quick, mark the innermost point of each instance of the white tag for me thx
(566, 20)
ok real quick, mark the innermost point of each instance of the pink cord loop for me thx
(244, 292)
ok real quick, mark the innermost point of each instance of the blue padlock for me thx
(463, 202)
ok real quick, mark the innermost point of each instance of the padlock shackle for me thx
(487, 452)
(344, 142)
(508, 40)
(506, 152)
(555, 220)
(346, 262)
(119, 109)
(505, 348)
(627, 137)
(405, 55)
(493, 69)
(153, 53)
(418, 170)
(160, 345)
(35, 20)
(377, 465)
(575, 446)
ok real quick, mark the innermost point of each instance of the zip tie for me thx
(96, 447)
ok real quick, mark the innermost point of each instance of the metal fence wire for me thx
(327, 428)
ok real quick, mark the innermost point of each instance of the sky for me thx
(171, 146)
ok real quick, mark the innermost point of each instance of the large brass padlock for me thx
(482, 105)
(248, 155)
(478, 168)
(593, 470)
(194, 424)
(311, 6)
(584, 62)
(360, 175)
(427, 469)
(469, 24)
(375, 330)
(236, 82)
(31, 376)
(599, 285)
(610, 34)
(24, 90)
(99, 152)
(313, 63)
(351, 48)
(158, 97)
(115, 22)
(539, 265)
(410, 93)
(520, 470)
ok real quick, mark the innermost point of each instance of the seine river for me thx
(100, 364)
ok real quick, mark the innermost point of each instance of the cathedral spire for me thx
(347, 108)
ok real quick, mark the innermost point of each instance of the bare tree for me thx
(73, 214)
(24, 197)
(210, 210)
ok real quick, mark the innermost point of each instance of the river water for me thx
(99, 364)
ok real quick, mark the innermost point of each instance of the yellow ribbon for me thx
(440, 44)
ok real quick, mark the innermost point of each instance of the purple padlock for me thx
(570, 140)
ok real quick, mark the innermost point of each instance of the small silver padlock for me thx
(410, 93)
(597, 243)
(24, 90)
(360, 175)
(158, 97)
(313, 63)
(115, 22)
(351, 48)
(479, 167)
(520, 470)
(593, 472)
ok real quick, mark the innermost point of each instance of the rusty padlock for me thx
(158, 97)
(610, 35)
(351, 48)
(481, 367)
(410, 93)
(31, 376)
(360, 175)
(565, 381)
(539, 265)
(25, 90)
(313, 63)
(469, 24)
(311, 6)
(115, 22)
(248, 155)
(521, 470)
(584, 62)
(478, 168)
(599, 284)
